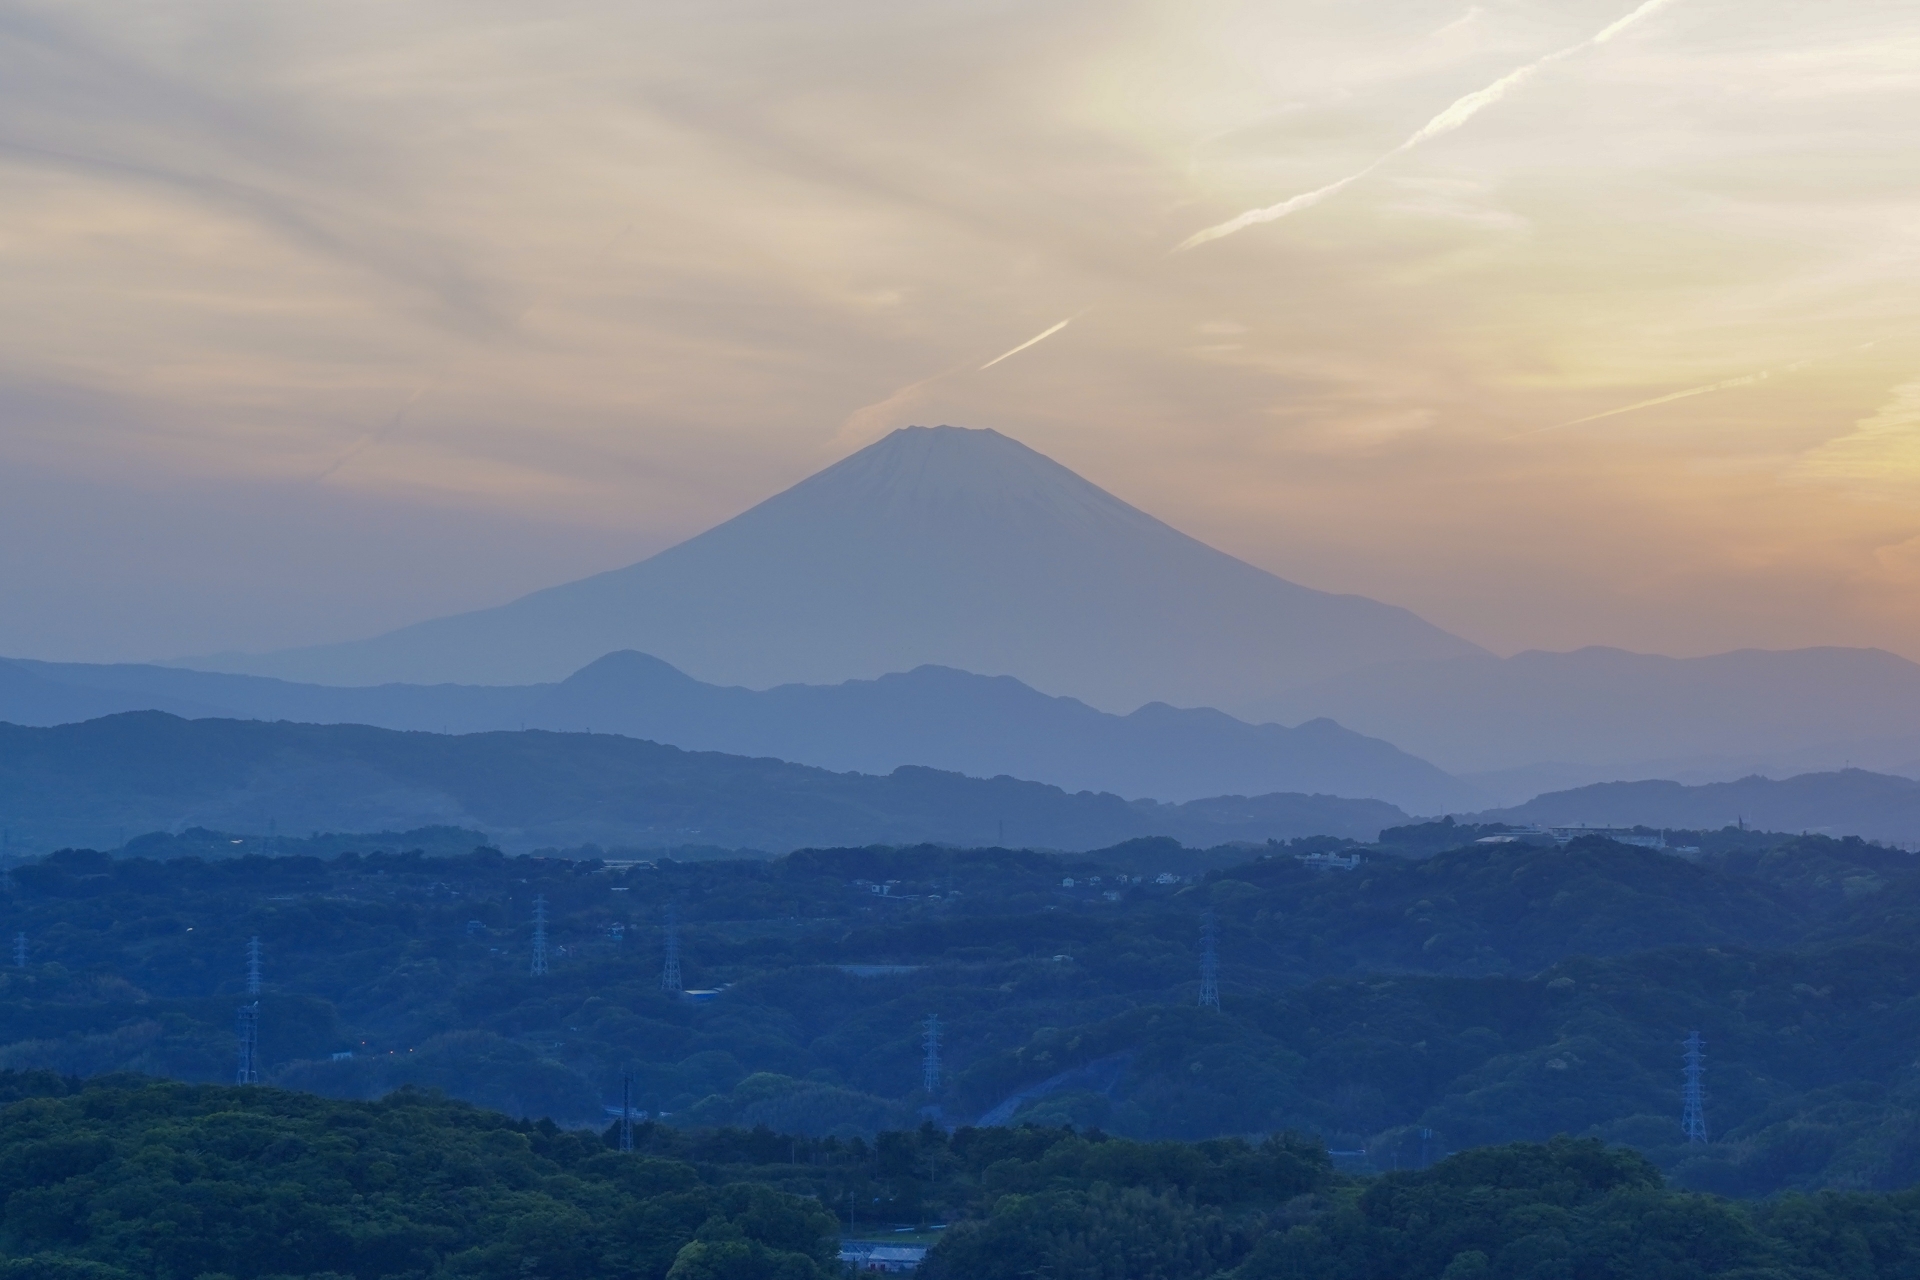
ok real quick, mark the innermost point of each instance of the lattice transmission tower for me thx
(248, 1070)
(539, 967)
(670, 980)
(930, 1064)
(1209, 963)
(1693, 1105)
(626, 1111)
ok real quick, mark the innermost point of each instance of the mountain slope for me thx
(43, 693)
(39, 694)
(936, 545)
(102, 781)
(977, 725)
(987, 726)
(1610, 714)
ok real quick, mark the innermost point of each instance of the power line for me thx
(539, 935)
(1209, 963)
(1693, 1106)
(670, 980)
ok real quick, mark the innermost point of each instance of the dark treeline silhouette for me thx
(123, 1178)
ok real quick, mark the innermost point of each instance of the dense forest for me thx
(123, 1178)
(1420, 1003)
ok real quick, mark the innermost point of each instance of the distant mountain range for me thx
(935, 545)
(103, 781)
(1519, 726)
(1850, 802)
(835, 624)
(934, 716)
(1538, 724)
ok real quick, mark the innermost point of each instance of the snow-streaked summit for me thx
(961, 548)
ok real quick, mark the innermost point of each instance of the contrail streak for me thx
(864, 422)
(1725, 384)
(1273, 213)
(1039, 337)
(1457, 113)
(382, 435)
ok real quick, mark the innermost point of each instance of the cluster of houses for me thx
(1567, 835)
(870, 1255)
(1329, 861)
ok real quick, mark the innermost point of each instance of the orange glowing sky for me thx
(326, 318)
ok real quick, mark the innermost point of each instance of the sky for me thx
(323, 319)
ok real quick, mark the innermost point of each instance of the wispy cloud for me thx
(1473, 14)
(1456, 114)
(1881, 453)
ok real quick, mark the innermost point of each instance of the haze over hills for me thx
(1541, 721)
(103, 781)
(934, 716)
(1849, 802)
(991, 725)
(935, 545)
(836, 623)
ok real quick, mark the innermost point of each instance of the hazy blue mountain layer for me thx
(48, 693)
(934, 716)
(99, 782)
(1537, 721)
(934, 545)
(1848, 802)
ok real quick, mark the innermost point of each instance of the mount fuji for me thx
(935, 545)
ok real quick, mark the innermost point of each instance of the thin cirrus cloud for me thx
(1881, 452)
(587, 279)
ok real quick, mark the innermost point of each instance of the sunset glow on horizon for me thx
(327, 319)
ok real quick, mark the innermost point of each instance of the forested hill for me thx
(128, 1179)
(102, 781)
(1876, 806)
(1487, 994)
(123, 1179)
